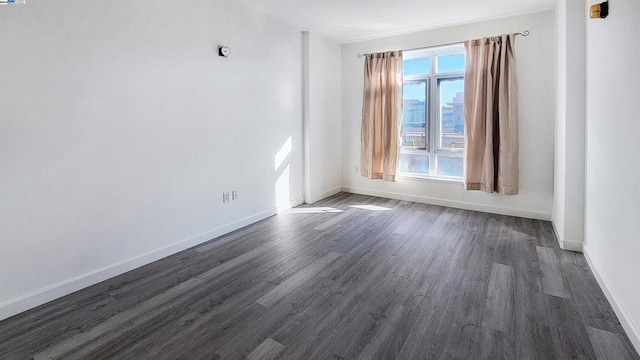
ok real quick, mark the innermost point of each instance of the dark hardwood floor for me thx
(350, 277)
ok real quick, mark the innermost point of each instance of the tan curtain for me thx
(491, 115)
(381, 113)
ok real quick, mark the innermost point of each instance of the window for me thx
(433, 117)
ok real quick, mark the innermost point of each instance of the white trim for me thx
(451, 203)
(291, 204)
(571, 245)
(441, 179)
(623, 316)
(28, 301)
(313, 198)
(306, 116)
(297, 202)
(566, 244)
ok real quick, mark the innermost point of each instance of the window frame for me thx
(433, 109)
(427, 130)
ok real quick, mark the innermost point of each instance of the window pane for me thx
(450, 63)
(417, 66)
(451, 97)
(414, 118)
(450, 166)
(414, 163)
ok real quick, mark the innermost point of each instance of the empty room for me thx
(358, 179)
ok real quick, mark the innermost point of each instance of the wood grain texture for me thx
(268, 350)
(349, 277)
(568, 331)
(609, 346)
(500, 299)
(553, 279)
(303, 275)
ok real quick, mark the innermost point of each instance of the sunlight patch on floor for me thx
(312, 210)
(371, 207)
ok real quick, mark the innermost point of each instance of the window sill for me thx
(429, 179)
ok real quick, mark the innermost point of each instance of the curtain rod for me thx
(524, 33)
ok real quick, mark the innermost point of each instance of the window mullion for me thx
(427, 114)
(433, 108)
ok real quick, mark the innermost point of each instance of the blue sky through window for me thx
(446, 63)
(449, 89)
(414, 92)
(447, 93)
(417, 66)
(449, 63)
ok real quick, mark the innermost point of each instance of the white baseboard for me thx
(288, 205)
(58, 290)
(296, 202)
(627, 324)
(313, 198)
(451, 203)
(566, 244)
(571, 245)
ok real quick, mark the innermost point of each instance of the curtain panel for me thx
(381, 115)
(491, 115)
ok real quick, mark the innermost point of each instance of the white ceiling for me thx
(346, 21)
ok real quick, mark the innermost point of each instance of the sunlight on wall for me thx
(283, 197)
(282, 154)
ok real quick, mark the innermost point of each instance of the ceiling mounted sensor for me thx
(599, 11)
(11, 2)
(223, 51)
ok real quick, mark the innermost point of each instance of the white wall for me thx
(612, 194)
(568, 201)
(120, 128)
(535, 66)
(322, 118)
(559, 159)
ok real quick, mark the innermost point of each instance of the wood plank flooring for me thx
(349, 277)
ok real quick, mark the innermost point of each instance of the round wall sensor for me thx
(224, 50)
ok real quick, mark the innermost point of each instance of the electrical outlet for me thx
(357, 169)
(234, 195)
(225, 197)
